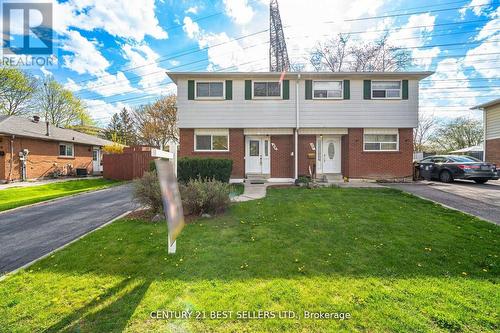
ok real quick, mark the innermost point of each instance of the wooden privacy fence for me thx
(131, 164)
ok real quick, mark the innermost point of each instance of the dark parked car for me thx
(446, 168)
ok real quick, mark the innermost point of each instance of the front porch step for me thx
(256, 179)
(330, 177)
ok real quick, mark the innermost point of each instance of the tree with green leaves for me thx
(114, 129)
(458, 133)
(60, 106)
(121, 128)
(17, 89)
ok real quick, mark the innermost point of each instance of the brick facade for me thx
(43, 158)
(282, 161)
(377, 165)
(493, 151)
(236, 149)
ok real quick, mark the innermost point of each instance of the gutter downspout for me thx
(297, 126)
(484, 135)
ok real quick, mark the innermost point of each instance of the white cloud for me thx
(485, 64)
(85, 57)
(424, 57)
(109, 85)
(492, 27)
(475, 7)
(191, 28)
(120, 18)
(102, 111)
(46, 72)
(192, 10)
(239, 11)
(144, 62)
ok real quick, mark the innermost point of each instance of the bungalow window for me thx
(327, 89)
(267, 89)
(386, 89)
(209, 142)
(209, 89)
(381, 142)
(66, 150)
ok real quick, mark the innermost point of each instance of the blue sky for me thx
(114, 53)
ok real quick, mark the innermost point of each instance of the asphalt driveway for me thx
(481, 200)
(28, 233)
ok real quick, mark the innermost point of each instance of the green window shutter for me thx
(367, 89)
(405, 89)
(286, 89)
(347, 89)
(229, 89)
(248, 89)
(309, 89)
(190, 89)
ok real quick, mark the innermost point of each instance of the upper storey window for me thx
(327, 89)
(210, 90)
(386, 89)
(267, 89)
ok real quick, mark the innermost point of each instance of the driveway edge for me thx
(63, 246)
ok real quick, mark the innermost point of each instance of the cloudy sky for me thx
(114, 53)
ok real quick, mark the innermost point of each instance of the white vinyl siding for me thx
(207, 140)
(328, 90)
(66, 150)
(209, 89)
(386, 89)
(493, 122)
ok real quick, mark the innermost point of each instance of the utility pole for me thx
(278, 54)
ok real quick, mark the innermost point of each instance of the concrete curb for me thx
(60, 198)
(3, 277)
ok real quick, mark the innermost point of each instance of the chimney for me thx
(36, 119)
(48, 128)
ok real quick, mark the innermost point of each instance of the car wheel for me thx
(445, 176)
(480, 181)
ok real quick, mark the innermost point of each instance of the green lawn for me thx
(22, 196)
(396, 263)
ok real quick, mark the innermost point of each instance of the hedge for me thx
(189, 168)
(205, 168)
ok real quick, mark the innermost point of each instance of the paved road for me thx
(482, 200)
(29, 233)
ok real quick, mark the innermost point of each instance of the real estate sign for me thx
(172, 204)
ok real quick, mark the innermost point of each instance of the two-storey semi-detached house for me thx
(356, 125)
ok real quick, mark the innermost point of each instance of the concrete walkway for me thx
(252, 192)
(43, 182)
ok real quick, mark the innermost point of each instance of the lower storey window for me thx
(66, 150)
(211, 142)
(381, 142)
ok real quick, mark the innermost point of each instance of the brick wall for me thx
(493, 151)
(304, 148)
(43, 158)
(236, 149)
(378, 165)
(282, 161)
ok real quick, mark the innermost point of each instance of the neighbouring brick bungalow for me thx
(491, 120)
(46, 149)
(280, 127)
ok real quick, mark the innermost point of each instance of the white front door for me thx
(329, 154)
(96, 160)
(257, 159)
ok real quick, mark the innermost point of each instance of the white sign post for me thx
(172, 204)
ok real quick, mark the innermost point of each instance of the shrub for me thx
(147, 192)
(194, 168)
(209, 196)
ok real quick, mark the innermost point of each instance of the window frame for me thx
(66, 144)
(389, 98)
(380, 142)
(211, 143)
(267, 97)
(196, 97)
(329, 98)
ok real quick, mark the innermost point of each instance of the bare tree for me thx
(423, 131)
(156, 123)
(343, 54)
(16, 92)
